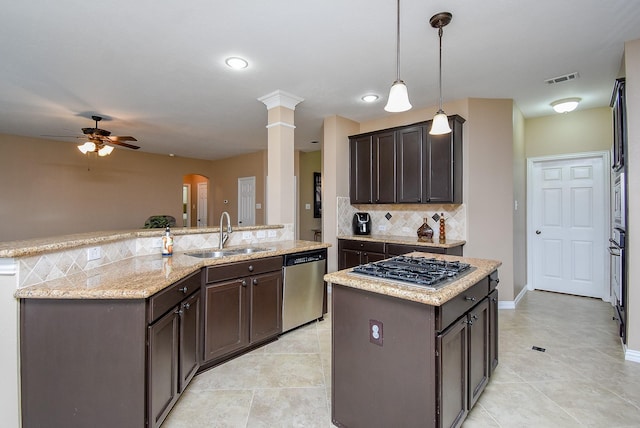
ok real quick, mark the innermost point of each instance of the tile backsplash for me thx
(404, 220)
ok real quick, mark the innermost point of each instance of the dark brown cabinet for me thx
(410, 165)
(618, 104)
(372, 166)
(407, 165)
(466, 350)
(429, 376)
(173, 346)
(353, 252)
(242, 307)
(108, 362)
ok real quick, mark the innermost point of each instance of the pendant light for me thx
(398, 95)
(440, 124)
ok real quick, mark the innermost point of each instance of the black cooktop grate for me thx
(421, 271)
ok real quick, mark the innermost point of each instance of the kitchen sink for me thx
(226, 252)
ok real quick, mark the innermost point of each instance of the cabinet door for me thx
(189, 339)
(409, 168)
(493, 331)
(443, 165)
(163, 367)
(266, 306)
(360, 174)
(226, 319)
(348, 259)
(478, 321)
(452, 371)
(372, 257)
(384, 167)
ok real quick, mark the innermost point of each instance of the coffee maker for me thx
(361, 224)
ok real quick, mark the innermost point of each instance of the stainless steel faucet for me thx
(224, 236)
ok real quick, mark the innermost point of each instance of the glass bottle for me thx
(425, 233)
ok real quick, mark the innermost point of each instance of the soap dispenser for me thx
(167, 243)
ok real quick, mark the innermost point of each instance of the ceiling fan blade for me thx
(63, 136)
(122, 138)
(130, 146)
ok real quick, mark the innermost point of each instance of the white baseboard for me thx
(631, 355)
(511, 304)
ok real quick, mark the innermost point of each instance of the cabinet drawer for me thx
(166, 299)
(240, 269)
(459, 305)
(400, 249)
(371, 246)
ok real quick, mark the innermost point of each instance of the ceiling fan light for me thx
(565, 105)
(104, 151)
(398, 98)
(440, 124)
(87, 147)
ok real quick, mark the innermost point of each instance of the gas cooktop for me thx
(421, 271)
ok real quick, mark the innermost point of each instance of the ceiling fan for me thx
(100, 140)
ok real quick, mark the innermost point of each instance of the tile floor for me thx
(581, 380)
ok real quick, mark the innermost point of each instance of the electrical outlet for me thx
(382, 227)
(375, 332)
(94, 253)
(261, 234)
(271, 234)
(247, 235)
(307, 206)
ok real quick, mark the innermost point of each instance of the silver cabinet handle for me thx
(244, 282)
(183, 289)
(471, 299)
(255, 281)
(250, 268)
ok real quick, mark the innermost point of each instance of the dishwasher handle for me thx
(305, 257)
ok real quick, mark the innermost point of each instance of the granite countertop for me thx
(142, 276)
(32, 247)
(407, 240)
(416, 293)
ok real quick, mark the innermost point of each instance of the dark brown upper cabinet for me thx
(407, 165)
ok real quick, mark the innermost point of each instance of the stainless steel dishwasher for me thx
(303, 287)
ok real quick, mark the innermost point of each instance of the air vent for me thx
(560, 79)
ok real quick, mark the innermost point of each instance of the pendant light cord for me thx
(398, 45)
(440, 71)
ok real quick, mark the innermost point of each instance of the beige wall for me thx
(310, 162)
(576, 132)
(489, 189)
(47, 190)
(224, 184)
(520, 198)
(632, 73)
(335, 178)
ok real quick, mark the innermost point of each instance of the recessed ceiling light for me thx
(236, 63)
(565, 105)
(369, 98)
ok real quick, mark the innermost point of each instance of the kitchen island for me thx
(114, 341)
(405, 355)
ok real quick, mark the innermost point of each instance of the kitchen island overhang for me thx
(404, 355)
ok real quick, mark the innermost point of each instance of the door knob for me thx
(538, 232)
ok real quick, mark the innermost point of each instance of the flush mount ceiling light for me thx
(236, 63)
(369, 98)
(398, 95)
(440, 123)
(565, 105)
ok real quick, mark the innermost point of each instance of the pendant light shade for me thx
(440, 124)
(398, 95)
(87, 147)
(398, 98)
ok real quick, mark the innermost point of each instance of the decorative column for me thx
(281, 191)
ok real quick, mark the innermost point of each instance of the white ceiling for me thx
(156, 68)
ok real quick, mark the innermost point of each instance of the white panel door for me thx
(246, 201)
(202, 204)
(568, 218)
